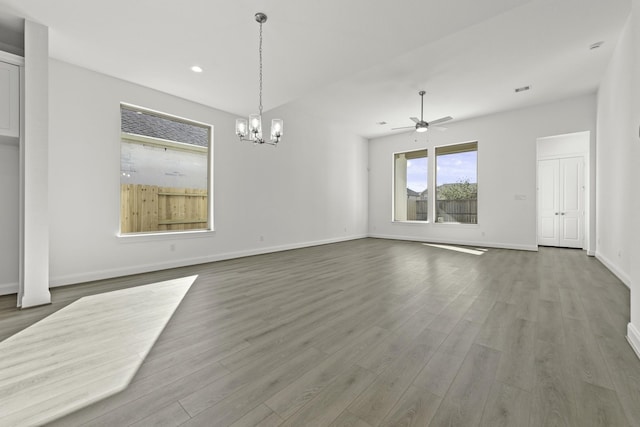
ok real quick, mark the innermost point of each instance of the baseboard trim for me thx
(633, 336)
(70, 279)
(496, 245)
(624, 277)
(8, 288)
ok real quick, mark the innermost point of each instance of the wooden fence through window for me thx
(146, 208)
(461, 211)
(417, 210)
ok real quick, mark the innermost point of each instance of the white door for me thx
(561, 202)
(548, 201)
(571, 202)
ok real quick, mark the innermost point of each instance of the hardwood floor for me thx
(83, 352)
(376, 332)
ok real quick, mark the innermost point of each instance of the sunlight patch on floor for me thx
(86, 351)
(474, 251)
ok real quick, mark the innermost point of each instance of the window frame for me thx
(135, 138)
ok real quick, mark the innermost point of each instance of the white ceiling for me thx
(354, 62)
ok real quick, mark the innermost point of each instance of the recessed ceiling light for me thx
(596, 45)
(522, 89)
(196, 69)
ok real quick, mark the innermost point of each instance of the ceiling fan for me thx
(421, 125)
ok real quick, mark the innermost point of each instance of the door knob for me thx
(556, 213)
(561, 213)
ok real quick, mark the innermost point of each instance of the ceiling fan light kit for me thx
(420, 124)
(251, 130)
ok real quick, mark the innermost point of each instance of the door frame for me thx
(577, 144)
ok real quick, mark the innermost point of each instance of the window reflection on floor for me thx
(474, 251)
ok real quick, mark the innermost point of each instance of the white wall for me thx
(506, 169)
(614, 188)
(618, 152)
(9, 219)
(310, 189)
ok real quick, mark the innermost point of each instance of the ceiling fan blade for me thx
(442, 120)
(438, 128)
(405, 127)
(415, 119)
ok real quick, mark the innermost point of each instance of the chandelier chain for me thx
(260, 54)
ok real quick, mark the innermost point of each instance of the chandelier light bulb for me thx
(241, 128)
(276, 129)
(255, 123)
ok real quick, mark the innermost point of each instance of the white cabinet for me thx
(9, 100)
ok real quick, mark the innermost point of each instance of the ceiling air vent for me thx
(522, 89)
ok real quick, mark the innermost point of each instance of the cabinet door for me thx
(9, 99)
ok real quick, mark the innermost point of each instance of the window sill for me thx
(141, 237)
(439, 224)
(456, 224)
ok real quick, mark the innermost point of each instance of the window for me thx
(410, 185)
(164, 172)
(457, 183)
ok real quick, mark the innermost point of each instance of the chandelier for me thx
(251, 130)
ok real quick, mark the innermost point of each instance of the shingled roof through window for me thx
(141, 123)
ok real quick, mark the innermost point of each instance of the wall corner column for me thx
(34, 233)
(633, 329)
(400, 190)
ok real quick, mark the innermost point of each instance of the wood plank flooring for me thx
(84, 352)
(375, 332)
